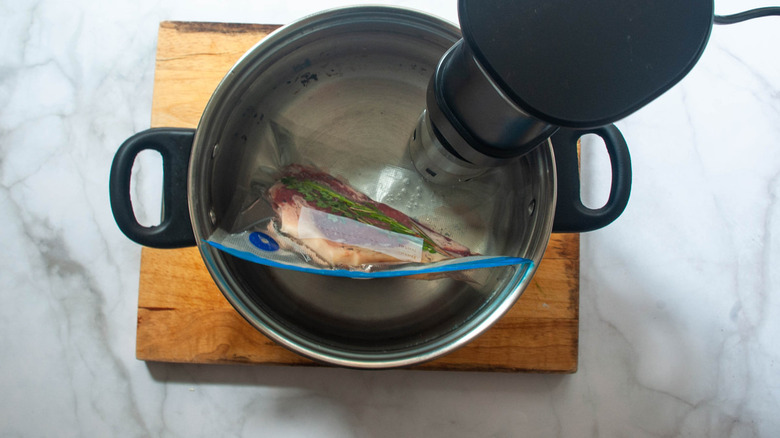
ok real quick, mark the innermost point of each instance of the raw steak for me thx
(343, 227)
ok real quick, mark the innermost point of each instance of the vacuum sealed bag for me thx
(297, 216)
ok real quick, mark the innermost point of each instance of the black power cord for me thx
(747, 15)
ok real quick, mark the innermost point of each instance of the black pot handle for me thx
(175, 229)
(571, 216)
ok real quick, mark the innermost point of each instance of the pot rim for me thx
(464, 333)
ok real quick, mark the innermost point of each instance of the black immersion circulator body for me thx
(525, 68)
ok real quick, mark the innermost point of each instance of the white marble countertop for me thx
(680, 297)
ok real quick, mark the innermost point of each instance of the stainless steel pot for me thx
(358, 75)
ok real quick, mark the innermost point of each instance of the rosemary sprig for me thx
(336, 203)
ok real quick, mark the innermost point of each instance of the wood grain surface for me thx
(183, 317)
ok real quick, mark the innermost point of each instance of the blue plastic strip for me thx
(466, 264)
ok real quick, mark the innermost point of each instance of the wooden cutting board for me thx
(183, 317)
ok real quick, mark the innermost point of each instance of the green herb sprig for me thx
(327, 199)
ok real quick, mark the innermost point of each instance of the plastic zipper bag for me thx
(299, 217)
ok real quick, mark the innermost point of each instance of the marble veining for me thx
(679, 308)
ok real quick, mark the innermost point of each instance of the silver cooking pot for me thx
(358, 75)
